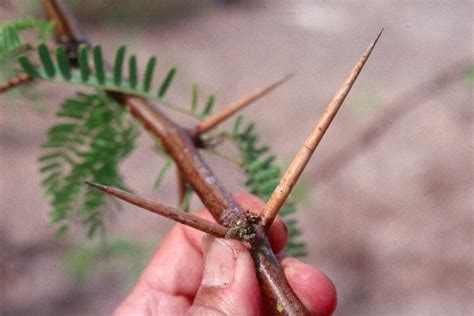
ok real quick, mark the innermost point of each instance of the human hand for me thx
(196, 275)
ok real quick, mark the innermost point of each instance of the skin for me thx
(194, 274)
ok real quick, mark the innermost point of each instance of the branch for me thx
(179, 145)
(287, 182)
(166, 211)
(391, 113)
(14, 82)
(217, 118)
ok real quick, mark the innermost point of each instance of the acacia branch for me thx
(166, 211)
(292, 174)
(217, 118)
(180, 145)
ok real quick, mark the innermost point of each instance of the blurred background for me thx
(387, 203)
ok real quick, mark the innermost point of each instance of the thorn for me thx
(287, 182)
(166, 211)
(217, 118)
(65, 24)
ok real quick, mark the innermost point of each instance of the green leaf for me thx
(51, 166)
(237, 124)
(209, 105)
(132, 71)
(186, 203)
(28, 67)
(12, 43)
(118, 65)
(194, 97)
(161, 174)
(148, 77)
(99, 64)
(63, 63)
(166, 83)
(46, 60)
(84, 63)
(62, 230)
(49, 156)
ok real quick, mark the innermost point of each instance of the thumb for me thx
(229, 285)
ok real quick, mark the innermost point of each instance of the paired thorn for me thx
(166, 211)
(287, 182)
(217, 118)
(14, 82)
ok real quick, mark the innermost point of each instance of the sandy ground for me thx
(392, 227)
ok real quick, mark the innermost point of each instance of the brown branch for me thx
(292, 174)
(391, 113)
(179, 145)
(217, 118)
(166, 211)
(14, 82)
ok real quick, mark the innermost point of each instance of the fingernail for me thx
(219, 262)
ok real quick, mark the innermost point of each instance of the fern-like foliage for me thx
(57, 67)
(262, 176)
(11, 41)
(88, 145)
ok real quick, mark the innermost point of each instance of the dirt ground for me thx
(392, 226)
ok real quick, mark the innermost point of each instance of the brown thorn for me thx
(65, 24)
(176, 215)
(217, 118)
(287, 182)
(14, 82)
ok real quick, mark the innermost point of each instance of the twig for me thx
(390, 114)
(287, 182)
(217, 118)
(14, 82)
(166, 211)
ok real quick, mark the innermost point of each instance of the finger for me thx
(278, 233)
(313, 288)
(172, 276)
(229, 285)
(175, 269)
